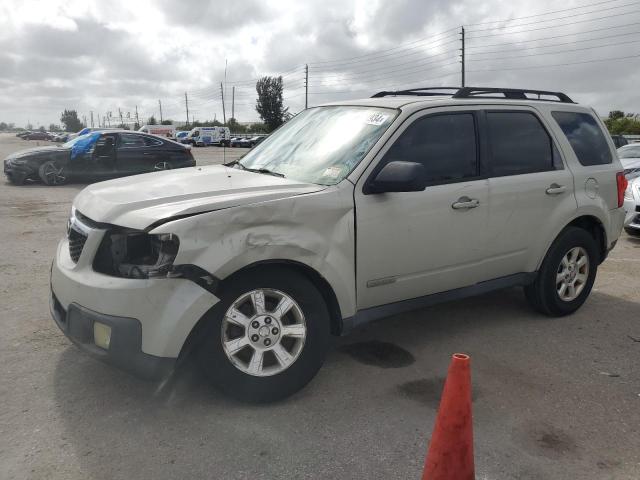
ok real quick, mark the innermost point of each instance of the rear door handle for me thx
(465, 203)
(555, 189)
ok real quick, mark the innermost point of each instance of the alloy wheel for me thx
(263, 332)
(54, 175)
(572, 274)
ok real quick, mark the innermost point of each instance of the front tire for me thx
(567, 274)
(52, 174)
(267, 337)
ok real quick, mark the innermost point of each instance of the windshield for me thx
(321, 145)
(629, 152)
(72, 142)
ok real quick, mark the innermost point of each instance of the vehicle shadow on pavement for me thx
(381, 382)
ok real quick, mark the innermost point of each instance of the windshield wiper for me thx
(263, 170)
(254, 170)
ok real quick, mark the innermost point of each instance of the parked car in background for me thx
(629, 156)
(619, 140)
(253, 267)
(168, 131)
(632, 206)
(23, 134)
(235, 141)
(97, 155)
(36, 136)
(181, 136)
(253, 141)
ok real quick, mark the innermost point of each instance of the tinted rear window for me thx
(519, 144)
(585, 136)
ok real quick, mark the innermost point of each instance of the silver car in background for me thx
(629, 156)
(632, 206)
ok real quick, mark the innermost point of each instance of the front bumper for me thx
(126, 339)
(17, 173)
(150, 318)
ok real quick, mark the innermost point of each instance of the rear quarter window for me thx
(585, 136)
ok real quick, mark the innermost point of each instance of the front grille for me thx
(76, 243)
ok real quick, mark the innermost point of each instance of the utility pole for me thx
(160, 105)
(121, 119)
(91, 118)
(186, 104)
(224, 115)
(462, 54)
(84, 120)
(306, 86)
(137, 120)
(233, 102)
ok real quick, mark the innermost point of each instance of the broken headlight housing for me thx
(136, 254)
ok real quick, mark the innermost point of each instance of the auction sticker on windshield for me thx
(376, 119)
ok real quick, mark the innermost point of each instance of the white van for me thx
(168, 131)
(203, 136)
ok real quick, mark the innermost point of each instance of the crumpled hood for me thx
(141, 200)
(36, 151)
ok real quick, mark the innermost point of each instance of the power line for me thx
(403, 46)
(556, 36)
(556, 52)
(555, 18)
(562, 43)
(558, 26)
(556, 64)
(542, 14)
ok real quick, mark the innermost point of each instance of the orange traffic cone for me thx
(450, 455)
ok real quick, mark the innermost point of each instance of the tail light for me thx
(622, 182)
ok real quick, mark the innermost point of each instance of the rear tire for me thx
(567, 274)
(271, 356)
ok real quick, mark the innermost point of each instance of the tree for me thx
(3, 126)
(619, 123)
(70, 120)
(166, 122)
(152, 120)
(54, 128)
(269, 104)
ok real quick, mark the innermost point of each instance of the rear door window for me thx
(519, 144)
(585, 136)
(130, 140)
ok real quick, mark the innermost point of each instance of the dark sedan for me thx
(97, 156)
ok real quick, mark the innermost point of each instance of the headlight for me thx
(17, 161)
(134, 254)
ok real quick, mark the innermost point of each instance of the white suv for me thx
(350, 212)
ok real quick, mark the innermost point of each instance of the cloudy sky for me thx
(103, 56)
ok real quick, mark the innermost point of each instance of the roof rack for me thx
(482, 92)
(419, 92)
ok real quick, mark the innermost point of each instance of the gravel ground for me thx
(553, 398)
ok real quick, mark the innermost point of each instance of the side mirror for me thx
(398, 177)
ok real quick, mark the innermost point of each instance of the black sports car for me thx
(97, 155)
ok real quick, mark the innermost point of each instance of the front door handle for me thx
(465, 203)
(555, 189)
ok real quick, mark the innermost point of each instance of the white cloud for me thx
(92, 55)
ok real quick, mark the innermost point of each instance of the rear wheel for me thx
(268, 336)
(567, 274)
(162, 166)
(52, 174)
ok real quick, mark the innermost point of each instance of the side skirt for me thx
(368, 315)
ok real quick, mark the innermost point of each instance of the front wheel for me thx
(268, 336)
(567, 274)
(52, 174)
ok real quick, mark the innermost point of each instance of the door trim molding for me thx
(367, 315)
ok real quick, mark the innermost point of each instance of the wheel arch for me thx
(323, 286)
(594, 226)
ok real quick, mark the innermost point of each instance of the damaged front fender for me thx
(316, 230)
